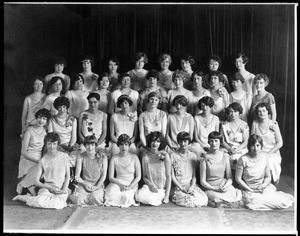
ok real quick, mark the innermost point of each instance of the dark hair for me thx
(115, 60)
(52, 137)
(59, 60)
(206, 100)
(122, 139)
(104, 74)
(215, 58)
(156, 136)
(261, 76)
(53, 80)
(215, 135)
(181, 99)
(43, 112)
(93, 95)
(123, 98)
(90, 139)
(253, 139)
(163, 57)
(89, 58)
(153, 94)
(139, 55)
(263, 104)
(182, 136)
(243, 56)
(199, 73)
(61, 101)
(178, 74)
(37, 77)
(237, 76)
(153, 73)
(188, 58)
(123, 76)
(75, 78)
(216, 73)
(236, 107)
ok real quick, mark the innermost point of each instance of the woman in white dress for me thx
(254, 178)
(186, 62)
(113, 75)
(77, 96)
(156, 166)
(105, 94)
(90, 78)
(32, 103)
(270, 133)
(165, 74)
(124, 173)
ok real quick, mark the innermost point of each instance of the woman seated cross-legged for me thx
(156, 166)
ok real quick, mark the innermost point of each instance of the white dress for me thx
(78, 102)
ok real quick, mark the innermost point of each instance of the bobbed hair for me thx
(253, 139)
(243, 56)
(156, 136)
(122, 139)
(236, 106)
(178, 74)
(215, 58)
(188, 58)
(75, 78)
(90, 139)
(120, 78)
(153, 73)
(261, 76)
(123, 98)
(100, 78)
(140, 55)
(93, 95)
(37, 77)
(163, 57)
(53, 80)
(88, 58)
(52, 137)
(182, 136)
(199, 73)
(207, 101)
(263, 104)
(43, 112)
(61, 101)
(237, 76)
(58, 60)
(180, 99)
(115, 60)
(215, 135)
(217, 73)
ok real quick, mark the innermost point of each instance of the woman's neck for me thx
(62, 115)
(164, 71)
(87, 71)
(152, 109)
(154, 151)
(91, 154)
(124, 111)
(183, 150)
(215, 151)
(180, 89)
(52, 153)
(56, 94)
(93, 111)
(181, 112)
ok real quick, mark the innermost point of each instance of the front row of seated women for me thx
(165, 176)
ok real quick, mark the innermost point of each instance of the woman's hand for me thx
(153, 189)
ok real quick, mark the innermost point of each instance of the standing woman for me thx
(91, 170)
(31, 152)
(198, 91)
(153, 119)
(156, 166)
(105, 94)
(77, 96)
(125, 81)
(215, 174)
(270, 133)
(123, 122)
(93, 121)
(185, 191)
(57, 86)
(138, 74)
(186, 62)
(124, 173)
(254, 178)
(32, 103)
(165, 74)
(90, 78)
(113, 75)
(240, 62)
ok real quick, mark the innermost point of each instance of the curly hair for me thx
(236, 106)
(88, 58)
(52, 137)
(140, 55)
(243, 56)
(122, 139)
(263, 104)
(198, 73)
(75, 78)
(43, 112)
(103, 75)
(124, 75)
(182, 136)
(180, 99)
(58, 60)
(215, 58)
(253, 139)
(61, 101)
(216, 73)
(53, 80)
(156, 136)
(188, 58)
(163, 57)
(123, 98)
(261, 76)
(178, 74)
(207, 101)
(152, 73)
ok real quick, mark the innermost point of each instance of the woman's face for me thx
(90, 147)
(124, 147)
(93, 103)
(104, 83)
(178, 82)
(165, 64)
(197, 80)
(124, 105)
(183, 144)
(255, 149)
(179, 106)
(260, 85)
(153, 102)
(205, 108)
(59, 68)
(139, 64)
(155, 144)
(262, 113)
(185, 65)
(57, 86)
(42, 121)
(38, 85)
(214, 81)
(62, 110)
(214, 144)
(86, 64)
(213, 65)
(239, 63)
(233, 115)
(126, 81)
(78, 84)
(236, 84)
(152, 81)
(52, 146)
(112, 66)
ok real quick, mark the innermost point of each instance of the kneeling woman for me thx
(156, 172)
(123, 186)
(254, 177)
(215, 175)
(91, 170)
(185, 191)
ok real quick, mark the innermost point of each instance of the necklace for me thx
(184, 156)
(263, 131)
(154, 120)
(205, 126)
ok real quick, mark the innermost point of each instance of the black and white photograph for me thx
(150, 118)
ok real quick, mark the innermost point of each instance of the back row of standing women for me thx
(141, 102)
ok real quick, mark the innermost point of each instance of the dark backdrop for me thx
(35, 33)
